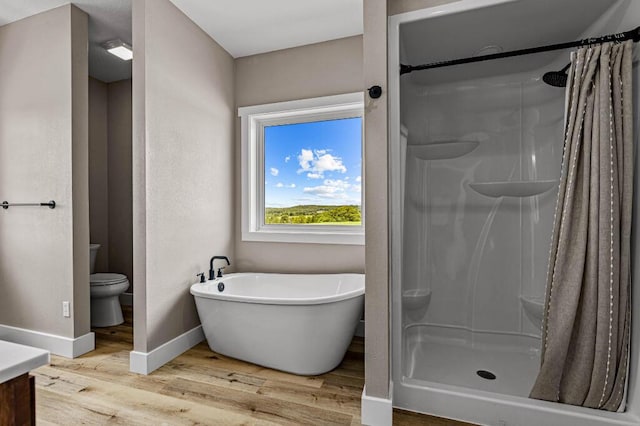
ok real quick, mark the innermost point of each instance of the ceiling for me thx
(108, 20)
(511, 25)
(242, 27)
(248, 27)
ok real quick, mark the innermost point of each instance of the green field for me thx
(314, 215)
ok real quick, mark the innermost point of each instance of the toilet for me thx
(106, 289)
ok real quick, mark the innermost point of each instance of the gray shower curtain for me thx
(586, 324)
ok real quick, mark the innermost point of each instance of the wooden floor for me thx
(198, 388)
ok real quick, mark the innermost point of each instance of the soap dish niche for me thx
(416, 299)
(533, 308)
(513, 188)
(442, 150)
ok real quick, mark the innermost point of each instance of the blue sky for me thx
(313, 163)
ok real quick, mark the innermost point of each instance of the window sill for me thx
(342, 238)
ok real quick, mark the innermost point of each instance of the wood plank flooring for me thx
(199, 387)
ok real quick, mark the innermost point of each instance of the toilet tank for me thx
(94, 252)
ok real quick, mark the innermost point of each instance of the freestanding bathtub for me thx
(301, 324)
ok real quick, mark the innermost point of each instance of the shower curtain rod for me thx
(627, 35)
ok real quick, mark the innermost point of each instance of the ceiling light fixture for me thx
(119, 48)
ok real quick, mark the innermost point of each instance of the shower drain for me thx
(486, 374)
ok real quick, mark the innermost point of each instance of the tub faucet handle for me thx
(219, 275)
(202, 279)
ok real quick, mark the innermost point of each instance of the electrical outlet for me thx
(65, 309)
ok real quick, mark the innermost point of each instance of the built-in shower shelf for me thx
(416, 298)
(442, 150)
(533, 308)
(527, 188)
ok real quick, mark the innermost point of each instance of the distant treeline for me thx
(348, 215)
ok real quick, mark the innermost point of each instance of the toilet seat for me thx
(106, 279)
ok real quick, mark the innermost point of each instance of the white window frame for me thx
(253, 120)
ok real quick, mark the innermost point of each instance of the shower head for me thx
(556, 78)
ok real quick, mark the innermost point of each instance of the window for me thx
(302, 174)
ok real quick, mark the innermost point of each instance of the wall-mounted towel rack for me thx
(51, 204)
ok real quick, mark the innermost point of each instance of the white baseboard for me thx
(376, 411)
(58, 345)
(146, 362)
(84, 344)
(126, 299)
(360, 329)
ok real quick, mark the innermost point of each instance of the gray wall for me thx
(99, 171)
(110, 186)
(321, 69)
(183, 117)
(376, 192)
(44, 156)
(120, 247)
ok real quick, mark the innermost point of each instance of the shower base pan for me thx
(442, 373)
(506, 364)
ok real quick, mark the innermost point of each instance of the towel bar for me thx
(51, 204)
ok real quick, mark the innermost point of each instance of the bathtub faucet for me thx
(212, 274)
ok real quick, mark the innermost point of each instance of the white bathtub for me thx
(301, 324)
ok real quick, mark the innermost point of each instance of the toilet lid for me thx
(107, 279)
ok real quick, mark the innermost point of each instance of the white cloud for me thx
(328, 162)
(274, 171)
(282, 185)
(359, 179)
(325, 192)
(330, 188)
(287, 158)
(356, 188)
(319, 161)
(305, 158)
(337, 183)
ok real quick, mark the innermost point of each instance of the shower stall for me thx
(475, 154)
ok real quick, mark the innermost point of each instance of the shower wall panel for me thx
(475, 255)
